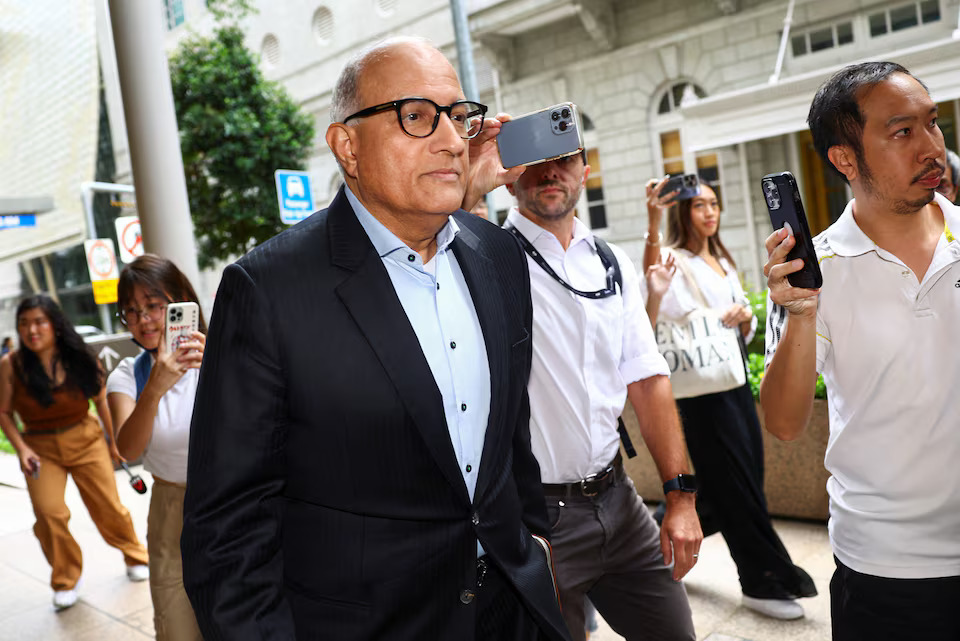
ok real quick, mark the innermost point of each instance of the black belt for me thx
(590, 486)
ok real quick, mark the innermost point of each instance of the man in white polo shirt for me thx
(882, 330)
(593, 347)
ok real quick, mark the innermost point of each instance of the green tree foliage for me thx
(236, 129)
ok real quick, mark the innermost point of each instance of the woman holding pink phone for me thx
(151, 400)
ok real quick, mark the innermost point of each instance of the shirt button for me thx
(466, 597)
(438, 286)
(475, 519)
(453, 344)
(463, 407)
(469, 468)
(411, 258)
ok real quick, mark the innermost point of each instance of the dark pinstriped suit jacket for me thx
(324, 499)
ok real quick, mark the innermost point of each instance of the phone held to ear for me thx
(686, 185)
(548, 134)
(182, 319)
(783, 203)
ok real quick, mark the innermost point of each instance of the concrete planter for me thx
(795, 481)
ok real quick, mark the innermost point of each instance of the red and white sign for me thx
(102, 265)
(128, 234)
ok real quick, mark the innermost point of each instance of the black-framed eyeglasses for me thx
(419, 116)
(152, 311)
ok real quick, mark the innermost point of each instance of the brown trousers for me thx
(82, 452)
(173, 617)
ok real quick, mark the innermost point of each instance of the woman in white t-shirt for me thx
(722, 430)
(154, 421)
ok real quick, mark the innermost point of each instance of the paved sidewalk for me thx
(111, 608)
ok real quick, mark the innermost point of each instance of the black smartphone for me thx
(686, 185)
(548, 134)
(783, 202)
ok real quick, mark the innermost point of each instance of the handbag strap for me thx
(681, 262)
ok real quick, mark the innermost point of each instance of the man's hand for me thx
(680, 533)
(486, 171)
(798, 301)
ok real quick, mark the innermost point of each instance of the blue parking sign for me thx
(293, 195)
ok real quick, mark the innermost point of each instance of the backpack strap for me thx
(141, 370)
(604, 250)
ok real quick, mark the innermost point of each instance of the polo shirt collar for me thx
(847, 239)
(385, 242)
(533, 232)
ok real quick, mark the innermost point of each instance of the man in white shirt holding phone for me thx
(882, 331)
(593, 348)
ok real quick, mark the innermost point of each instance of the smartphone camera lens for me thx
(563, 126)
(772, 194)
(555, 116)
(565, 113)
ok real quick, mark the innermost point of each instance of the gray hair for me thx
(346, 93)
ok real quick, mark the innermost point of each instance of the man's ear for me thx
(586, 174)
(341, 141)
(844, 160)
(511, 189)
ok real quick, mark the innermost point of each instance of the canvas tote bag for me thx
(704, 356)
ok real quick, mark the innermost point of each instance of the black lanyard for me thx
(542, 262)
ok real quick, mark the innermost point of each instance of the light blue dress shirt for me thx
(438, 304)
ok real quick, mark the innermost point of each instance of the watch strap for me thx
(682, 482)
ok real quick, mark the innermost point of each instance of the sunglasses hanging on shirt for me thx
(609, 290)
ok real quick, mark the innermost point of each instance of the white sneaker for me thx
(137, 573)
(785, 609)
(63, 599)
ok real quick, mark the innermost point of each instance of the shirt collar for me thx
(385, 241)
(533, 232)
(847, 239)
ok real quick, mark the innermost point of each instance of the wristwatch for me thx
(682, 482)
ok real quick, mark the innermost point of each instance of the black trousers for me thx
(726, 447)
(872, 608)
(501, 616)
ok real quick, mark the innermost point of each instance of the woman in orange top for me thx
(49, 382)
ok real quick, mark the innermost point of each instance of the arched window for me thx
(666, 128)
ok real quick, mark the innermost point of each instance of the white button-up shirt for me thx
(886, 346)
(585, 353)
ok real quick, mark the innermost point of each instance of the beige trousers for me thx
(82, 452)
(173, 616)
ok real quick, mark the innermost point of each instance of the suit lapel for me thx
(371, 300)
(484, 286)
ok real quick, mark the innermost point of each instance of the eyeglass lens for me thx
(131, 315)
(419, 118)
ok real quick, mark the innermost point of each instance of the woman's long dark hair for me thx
(79, 363)
(157, 276)
(681, 233)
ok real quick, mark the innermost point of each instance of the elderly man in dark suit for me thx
(360, 463)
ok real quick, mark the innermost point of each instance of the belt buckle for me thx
(583, 485)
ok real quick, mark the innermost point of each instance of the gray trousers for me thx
(608, 548)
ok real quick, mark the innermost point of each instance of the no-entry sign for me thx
(128, 235)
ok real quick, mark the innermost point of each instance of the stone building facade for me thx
(717, 87)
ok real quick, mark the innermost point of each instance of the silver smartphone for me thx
(182, 320)
(548, 134)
